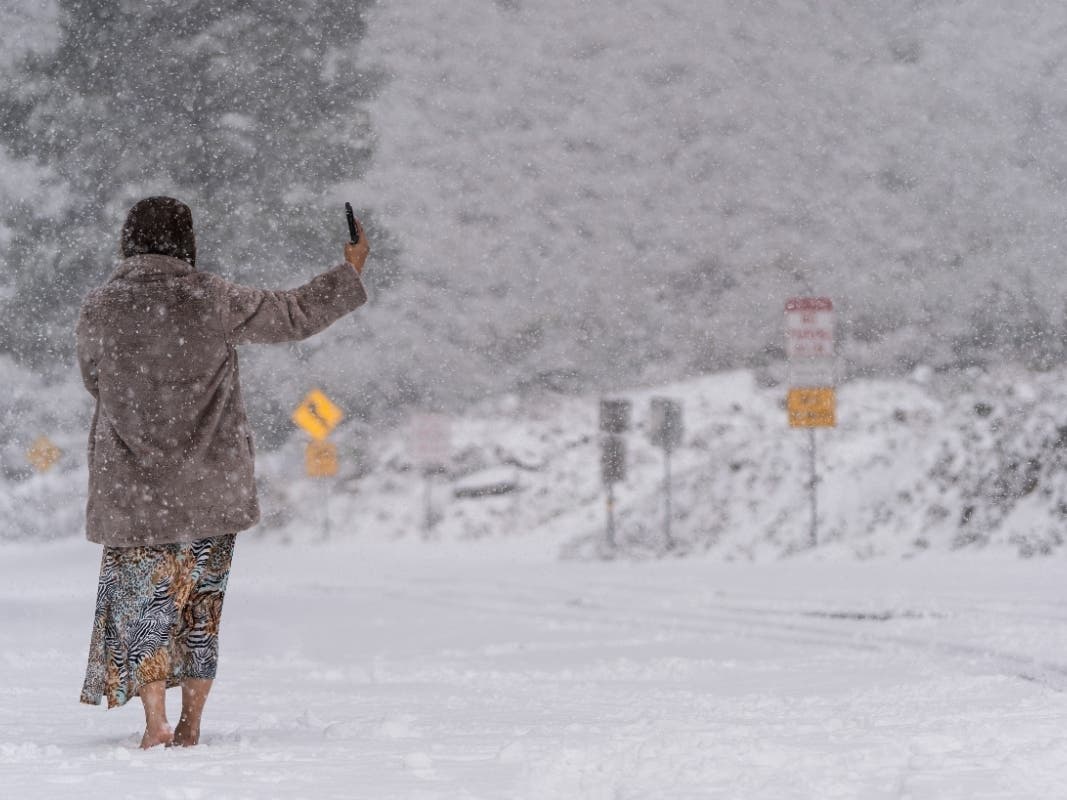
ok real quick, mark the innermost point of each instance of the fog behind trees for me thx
(563, 196)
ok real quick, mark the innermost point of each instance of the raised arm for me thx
(264, 316)
(267, 317)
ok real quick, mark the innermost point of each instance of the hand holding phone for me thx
(353, 230)
(356, 249)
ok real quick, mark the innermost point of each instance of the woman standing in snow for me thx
(170, 453)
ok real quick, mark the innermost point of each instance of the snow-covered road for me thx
(416, 670)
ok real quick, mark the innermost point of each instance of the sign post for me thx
(812, 399)
(614, 421)
(318, 416)
(665, 431)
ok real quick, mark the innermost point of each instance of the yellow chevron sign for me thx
(812, 408)
(317, 415)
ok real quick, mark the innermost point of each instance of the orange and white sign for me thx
(809, 340)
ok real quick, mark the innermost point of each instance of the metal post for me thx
(326, 509)
(611, 516)
(665, 430)
(613, 456)
(515, 501)
(667, 498)
(428, 524)
(814, 534)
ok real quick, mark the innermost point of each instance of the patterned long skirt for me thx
(157, 617)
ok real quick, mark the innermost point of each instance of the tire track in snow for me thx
(747, 621)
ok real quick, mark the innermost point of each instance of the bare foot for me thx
(155, 735)
(186, 735)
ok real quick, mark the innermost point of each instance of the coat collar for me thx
(151, 265)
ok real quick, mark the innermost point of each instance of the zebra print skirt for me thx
(157, 617)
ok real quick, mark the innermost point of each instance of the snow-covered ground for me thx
(493, 671)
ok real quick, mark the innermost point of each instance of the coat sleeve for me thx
(252, 316)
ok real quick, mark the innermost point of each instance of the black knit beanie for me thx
(160, 225)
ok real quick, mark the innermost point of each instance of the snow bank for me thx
(935, 462)
(938, 462)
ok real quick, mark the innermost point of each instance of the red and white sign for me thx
(809, 327)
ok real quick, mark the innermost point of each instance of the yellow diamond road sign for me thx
(42, 454)
(317, 415)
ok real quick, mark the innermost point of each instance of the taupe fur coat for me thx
(170, 451)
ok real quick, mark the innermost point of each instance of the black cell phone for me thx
(353, 231)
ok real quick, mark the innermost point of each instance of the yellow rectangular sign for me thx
(812, 407)
(317, 415)
(321, 459)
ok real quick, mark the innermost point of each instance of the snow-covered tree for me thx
(245, 111)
